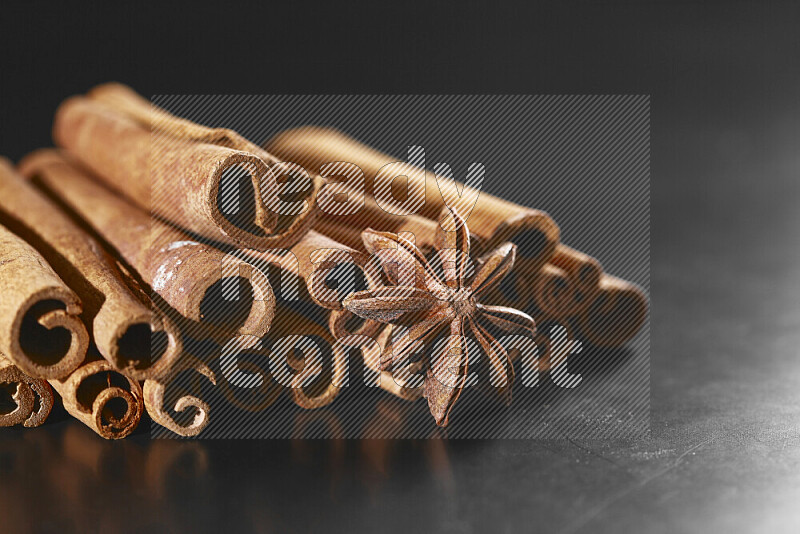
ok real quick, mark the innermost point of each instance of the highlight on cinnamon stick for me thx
(493, 219)
(186, 173)
(106, 401)
(127, 329)
(40, 327)
(616, 313)
(155, 400)
(189, 276)
(31, 399)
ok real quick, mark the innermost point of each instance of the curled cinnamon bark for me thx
(184, 172)
(493, 219)
(189, 276)
(40, 327)
(319, 373)
(342, 323)
(549, 291)
(552, 291)
(127, 329)
(584, 270)
(615, 314)
(104, 400)
(32, 398)
(303, 359)
(324, 262)
(155, 391)
(330, 271)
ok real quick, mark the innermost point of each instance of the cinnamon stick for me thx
(32, 397)
(104, 400)
(615, 314)
(319, 257)
(40, 327)
(493, 219)
(584, 270)
(184, 172)
(342, 323)
(187, 275)
(322, 263)
(348, 230)
(127, 329)
(155, 391)
(312, 386)
(305, 360)
(552, 291)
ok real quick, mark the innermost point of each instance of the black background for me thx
(724, 449)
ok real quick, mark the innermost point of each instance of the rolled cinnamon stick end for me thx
(106, 401)
(332, 270)
(316, 381)
(156, 169)
(32, 398)
(200, 282)
(553, 292)
(155, 390)
(128, 330)
(584, 270)
(616, 313)
(493, 219)
(40, 327)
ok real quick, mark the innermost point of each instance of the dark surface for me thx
(723, 454)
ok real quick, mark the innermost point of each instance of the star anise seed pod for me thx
(425, 302)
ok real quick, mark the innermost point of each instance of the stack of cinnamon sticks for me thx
(124, 244)
(552, 281)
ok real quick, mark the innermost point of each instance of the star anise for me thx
(428, 297)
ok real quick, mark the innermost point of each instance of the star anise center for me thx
(463, 302)
(420, 300)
